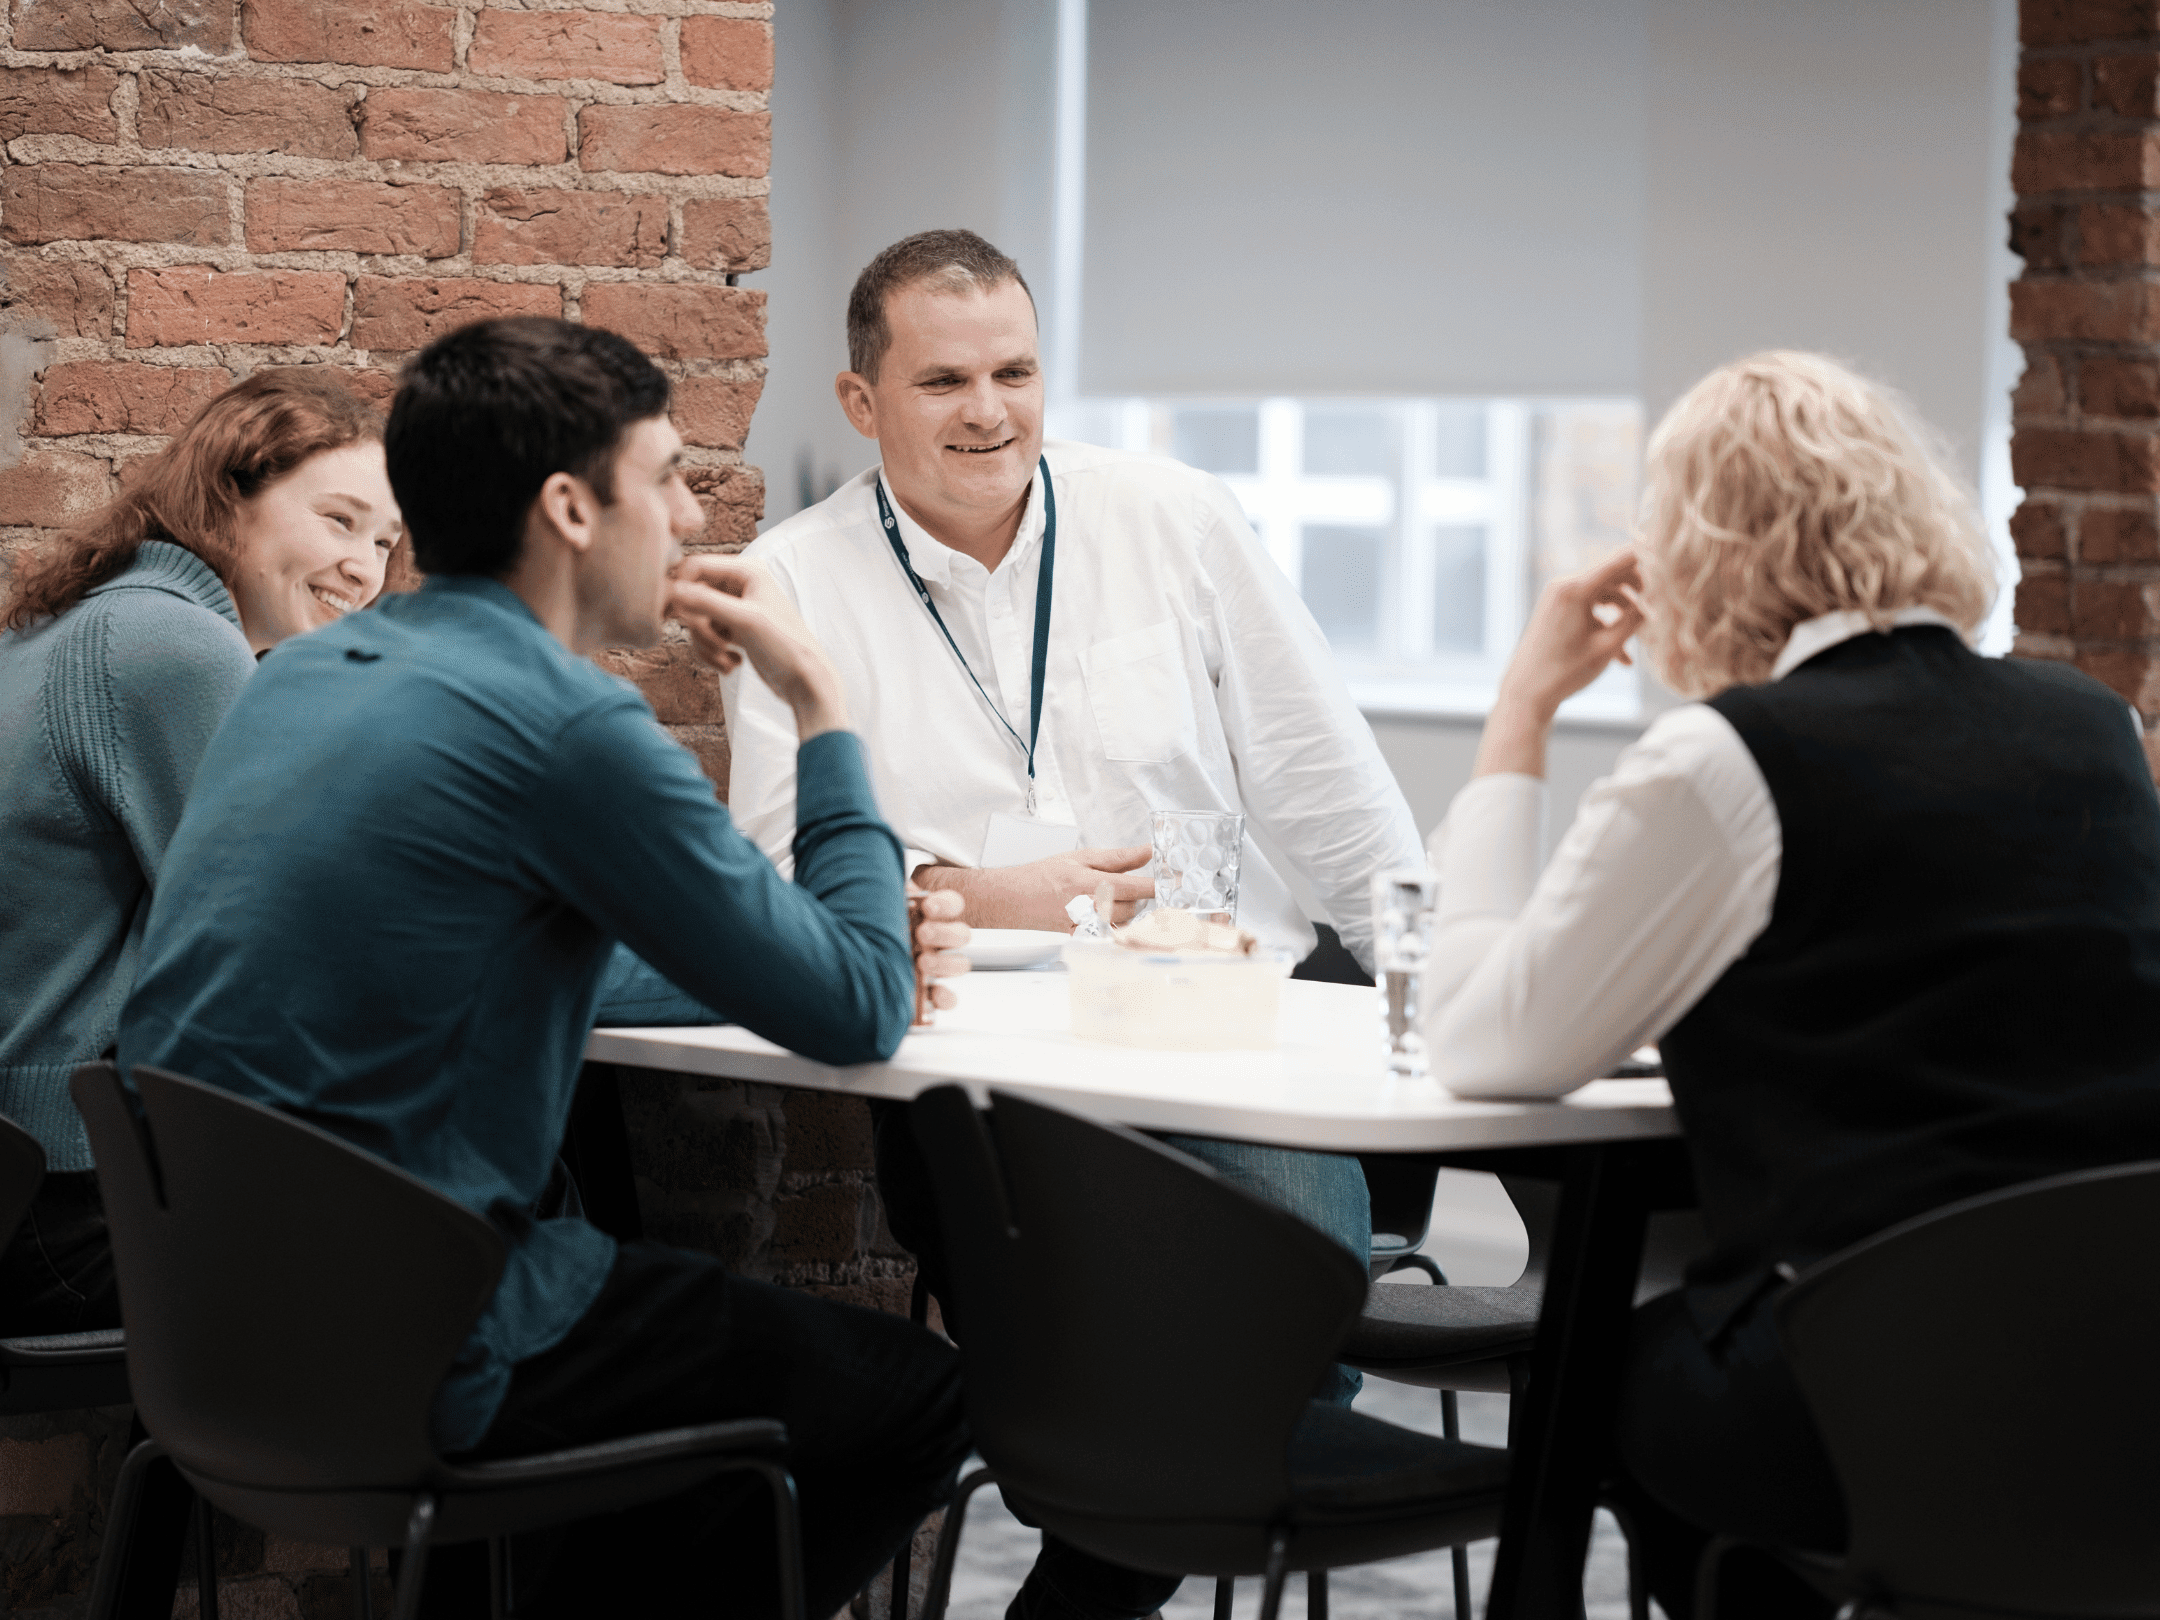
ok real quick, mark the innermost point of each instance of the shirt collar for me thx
(161, 565)
(1827, 630)
(932, 559)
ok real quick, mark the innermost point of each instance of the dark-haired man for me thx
(1043, 644)
(397, 884)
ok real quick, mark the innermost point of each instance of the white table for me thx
(1323, 1087)
(1612, 1145)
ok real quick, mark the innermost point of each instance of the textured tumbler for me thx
(1196, 860)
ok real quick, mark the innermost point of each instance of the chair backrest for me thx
(1139, 1337)
(22, 1172)
(1402, 1187)
(1984, 1380)
(291, 1302)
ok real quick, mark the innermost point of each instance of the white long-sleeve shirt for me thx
(1184, 674)
(1536, 983)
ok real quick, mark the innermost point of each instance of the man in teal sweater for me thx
(391, 901)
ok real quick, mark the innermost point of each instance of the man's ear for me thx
(565, 509)
(853, 391)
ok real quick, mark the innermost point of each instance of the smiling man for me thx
(389, 906)
(1043, 643)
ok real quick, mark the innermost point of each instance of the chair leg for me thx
(205, 1561)
(948, 1547)
(787, 1527)
(1414, 1261)
(1224, 1586)
(498, 1577)
(1638, 1579)
(1316, 1594)
(146, 1530)
(363, 1600)
(1706, 1576)
(1278, 1569)
(412, 1573)
(1451, 1429)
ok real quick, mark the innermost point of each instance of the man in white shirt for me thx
(1043, 645)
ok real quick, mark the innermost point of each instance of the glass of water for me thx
(1197, 854)
(1402, 910)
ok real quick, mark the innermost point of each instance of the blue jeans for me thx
(1324, 1190)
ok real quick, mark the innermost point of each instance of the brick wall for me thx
(2087, 310)
(194, 189)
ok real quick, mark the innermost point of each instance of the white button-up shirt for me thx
(1184, 674)
(1536, 982)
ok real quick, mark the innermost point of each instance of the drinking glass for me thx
(1197, 853)
(1402, 911)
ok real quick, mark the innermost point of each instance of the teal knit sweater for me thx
(104, 713)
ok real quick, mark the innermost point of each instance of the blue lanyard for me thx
(1041, 662)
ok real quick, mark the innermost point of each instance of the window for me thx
(1419, 531)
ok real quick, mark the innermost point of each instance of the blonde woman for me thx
(1891, 909)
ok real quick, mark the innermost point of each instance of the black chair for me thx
(293, 1304)
(1141, 1344)
(53, 1372)
(1964, 1505)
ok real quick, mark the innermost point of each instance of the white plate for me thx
(995, 950)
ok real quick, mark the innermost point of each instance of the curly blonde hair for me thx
(1784, 486)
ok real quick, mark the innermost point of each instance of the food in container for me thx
(1178, 983)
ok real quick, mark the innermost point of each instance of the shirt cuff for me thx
(1487, 850)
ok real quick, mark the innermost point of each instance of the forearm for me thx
(1514, 739)
(998, 897)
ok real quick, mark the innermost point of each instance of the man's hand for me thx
(1580, 624)
(1035, 895)
(938, 939)
(733, 610)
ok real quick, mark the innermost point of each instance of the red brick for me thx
(727, 53)
(2074, 22)
(2131, 671)
(2085, 160)
(53, 489)
(462, 126)
(352, 216)
(375, 384)
(727, 233)
(2048, 90)
(58, 101)
(2037, 529)
(195, 304)
(2107, 311)
(675, 139)
(204, 114)
(2117, 233)
(2127, 84)
(356, 33)
(2115, 609)
(2043, 604)
(682, 691)
(123, 25)
(680, 322)
(2068, 458)
(714, 411)
(2108, 534)
(2110, 385)
(2038, 235)
(2040, 392)
(708, 745)
(734, 500)
(60, 202)
(409, 313)
(117, 396)
(608, 46)
(570, 227)
(75, 298)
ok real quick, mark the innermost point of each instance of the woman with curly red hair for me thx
(121, 647)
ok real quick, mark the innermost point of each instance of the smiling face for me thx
(313, 544)
(957, 406)
(636, 540)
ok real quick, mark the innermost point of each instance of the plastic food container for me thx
(1175, 1001)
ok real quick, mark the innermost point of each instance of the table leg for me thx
(1561, 1437)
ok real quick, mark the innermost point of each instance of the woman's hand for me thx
(733, 610)
(1580, 624)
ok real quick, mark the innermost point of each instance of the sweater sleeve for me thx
(141, 687)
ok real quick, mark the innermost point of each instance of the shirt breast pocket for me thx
(1143, 705)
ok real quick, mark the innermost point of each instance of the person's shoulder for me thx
(153, 638)
(849, 510)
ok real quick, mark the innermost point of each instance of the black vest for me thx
(1959, 988)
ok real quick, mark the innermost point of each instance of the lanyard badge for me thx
(1043, 581)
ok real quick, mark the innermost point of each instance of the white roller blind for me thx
(1388, 196)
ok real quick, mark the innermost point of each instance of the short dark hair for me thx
(951, 261)
(487, 414)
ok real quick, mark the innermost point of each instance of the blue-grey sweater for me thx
(104, 713)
